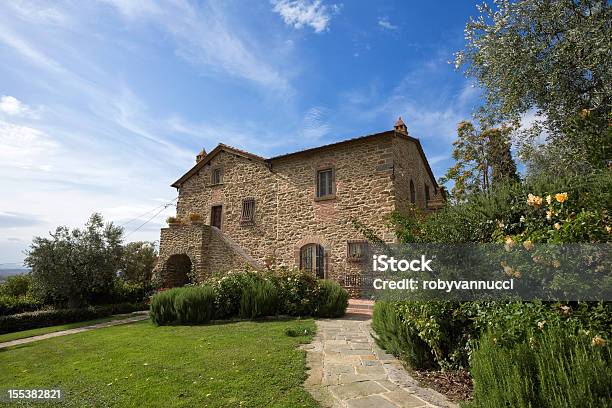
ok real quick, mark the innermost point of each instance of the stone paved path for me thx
(137, 316)
(348, 369)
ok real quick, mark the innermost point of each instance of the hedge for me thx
(250, 295)
(52, 317)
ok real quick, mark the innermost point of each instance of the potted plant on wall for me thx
(196, 219)
(173, 221)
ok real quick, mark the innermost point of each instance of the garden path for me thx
(348, 369)
(137, 316)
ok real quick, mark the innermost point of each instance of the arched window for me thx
(312, 259)
(412, 193)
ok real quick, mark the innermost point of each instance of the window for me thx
(426, 193)
(217, 176)
(412, 193)
(312, 259)
(325, 183)
(248, 210)
(356, 250)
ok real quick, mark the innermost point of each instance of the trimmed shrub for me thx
(298, 331)
(554, 369)
(399, 338)
(18, 304)
(333, 299)
(259, 298)
(52, 317)
(162, 306)
(195, 304)
(228, 289)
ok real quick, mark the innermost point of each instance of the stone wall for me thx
(409, 165)
(364, 192)
(208, 250)
(372, 178)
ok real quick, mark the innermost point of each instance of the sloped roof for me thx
(223, 147)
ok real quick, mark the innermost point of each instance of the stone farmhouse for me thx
(297, 209)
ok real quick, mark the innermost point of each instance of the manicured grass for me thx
(244, 364)
(44, 330)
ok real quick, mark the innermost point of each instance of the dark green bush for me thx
(552, 369)
(162, 306)
(259, 298)
(130, 291)
(195, 304)
(18, 304)
(52, 317)
(333, 299)
(399, 338)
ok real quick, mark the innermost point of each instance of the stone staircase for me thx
(360, 307)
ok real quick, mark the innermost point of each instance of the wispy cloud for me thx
(386, 24)
(315, 125)
(206, 36)
(301, 13)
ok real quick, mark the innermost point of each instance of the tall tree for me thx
(482, 160)
(551, 56)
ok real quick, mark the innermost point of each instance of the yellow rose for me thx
(561, 197)
(549, 214)
(557, 226)
(549, 199)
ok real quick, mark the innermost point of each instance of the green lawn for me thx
(44, 330)
(244, 364)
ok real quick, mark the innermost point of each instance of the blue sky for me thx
(105, 103)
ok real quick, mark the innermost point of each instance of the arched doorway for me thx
(312, 259)
(177, 269)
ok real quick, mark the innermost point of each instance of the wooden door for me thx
(215, 216)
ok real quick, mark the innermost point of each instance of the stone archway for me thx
(177, 269)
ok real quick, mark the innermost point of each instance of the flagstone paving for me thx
(348, 369)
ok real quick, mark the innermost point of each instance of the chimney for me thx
(400, 126)
(201, 156)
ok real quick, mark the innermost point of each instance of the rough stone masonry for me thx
(298, 209)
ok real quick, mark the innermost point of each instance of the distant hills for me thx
(10, 269)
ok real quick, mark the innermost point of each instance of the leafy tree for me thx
(137, 262)
(551, 56)
(76, 267)
(482, 160)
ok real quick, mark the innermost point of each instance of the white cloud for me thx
(205, 37)
(25, 147)
(315, 125)
(386, 24)
(13, 106)
(300, 13)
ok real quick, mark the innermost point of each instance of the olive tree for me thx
(76, 267)
(551, 57)
(138, 261)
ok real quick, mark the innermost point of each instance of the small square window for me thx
(217, 176)
(356, 250)
(248, 210)
(325, 183)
